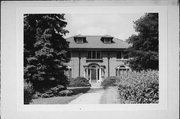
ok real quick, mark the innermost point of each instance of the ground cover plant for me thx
(79, 82)
(61, 94)
(139, 87)
(60, 97)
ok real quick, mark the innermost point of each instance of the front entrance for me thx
(94, 76)
(94, 73)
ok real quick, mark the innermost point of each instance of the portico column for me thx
(90, 75)
(100, 74)
(85, 72)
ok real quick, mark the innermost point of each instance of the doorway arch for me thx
(94, 73)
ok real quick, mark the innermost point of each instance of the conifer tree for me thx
(45, 50)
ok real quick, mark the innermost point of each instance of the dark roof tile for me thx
(96, 42)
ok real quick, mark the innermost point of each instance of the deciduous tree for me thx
(144, 49)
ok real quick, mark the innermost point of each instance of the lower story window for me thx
(121, 70)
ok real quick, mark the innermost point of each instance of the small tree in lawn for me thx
(144, 49)
(45, 50)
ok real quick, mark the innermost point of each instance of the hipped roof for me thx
(96, 42)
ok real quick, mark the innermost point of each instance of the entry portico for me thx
(94, 72)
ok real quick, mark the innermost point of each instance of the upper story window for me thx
(126, 56)
(107, 40)
(80, 40)
(94, 55)
(119, 55)
(122, 55)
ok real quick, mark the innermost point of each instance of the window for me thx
(89, 54)
(122, 55)
(125, 55)
(94, 55)
(107, 40)
(121, 70)
(119, 55)
(98, 55)
(80, 40)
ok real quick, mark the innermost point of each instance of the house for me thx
(97, 57)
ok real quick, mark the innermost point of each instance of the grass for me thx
(55, 100)
(77, 91)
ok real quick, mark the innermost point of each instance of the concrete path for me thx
(110, 96)
(92, 97)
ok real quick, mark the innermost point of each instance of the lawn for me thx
(55, 100)
(77, 91)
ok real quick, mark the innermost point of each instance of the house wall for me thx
(78, 58)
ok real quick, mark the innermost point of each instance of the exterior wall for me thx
(113, 62)
(74, 64)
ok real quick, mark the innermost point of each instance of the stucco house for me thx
(97, 57)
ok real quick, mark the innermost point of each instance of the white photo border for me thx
(12, 106)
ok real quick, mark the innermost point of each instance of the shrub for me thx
(139, 87)
(66, 93)
(109, 81)
(79, 82)
(54, 91)
(80, 90)
(28, 93)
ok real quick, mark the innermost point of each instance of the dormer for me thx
(107, 39)
(80, 40)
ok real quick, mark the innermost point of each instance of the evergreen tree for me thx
(45, 50)
(144, 49)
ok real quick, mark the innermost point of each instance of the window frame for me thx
(80, 40)
(107, 41)
(93, 54)
(121, 55)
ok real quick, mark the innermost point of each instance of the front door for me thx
(93, 75)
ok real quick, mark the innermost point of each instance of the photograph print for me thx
(100, 58)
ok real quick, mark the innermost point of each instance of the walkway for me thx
(110, 96)
(92, 97)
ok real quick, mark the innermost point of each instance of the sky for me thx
(120, 26)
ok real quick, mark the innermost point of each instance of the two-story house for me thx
(97, 57)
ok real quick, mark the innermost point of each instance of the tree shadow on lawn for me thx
(78, 90)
